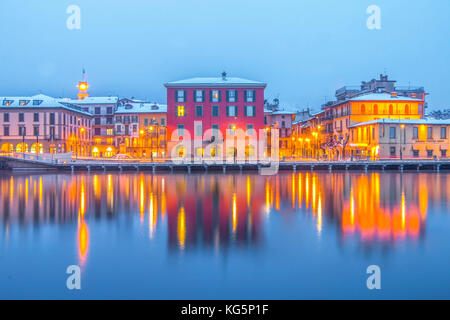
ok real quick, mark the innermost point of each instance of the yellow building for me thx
(400, 139)
(141, 129)
(341, 115)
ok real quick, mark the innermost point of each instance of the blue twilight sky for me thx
(304, 50)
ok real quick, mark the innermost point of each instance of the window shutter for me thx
(245, 95)
(235, 111)
(228, 95)
(254, 95)
(236, 95)
(176, 111)
(254, 111)
(220, 95)
(210, 95)
(245, 111)
(228, 111)
(176, 95)
(184, 96)
(203, 95)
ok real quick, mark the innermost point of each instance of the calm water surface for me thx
(243, 236)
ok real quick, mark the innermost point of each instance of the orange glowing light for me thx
(83, 241)
(83, 86)
(181, 227)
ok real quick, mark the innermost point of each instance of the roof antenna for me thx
(224, 76)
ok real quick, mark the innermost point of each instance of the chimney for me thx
(224, 76)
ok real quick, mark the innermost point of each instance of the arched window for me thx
(22, 147)
(181, 151)
(375, 109)
(95, 152)
(7, 147)
(391, 109)
(363, 109)
(37, 148)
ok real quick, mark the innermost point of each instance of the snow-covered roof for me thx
(38, 101)
(93, 100)
(382, 97)
(215, 82)
(283, 112)
(141, 108)
(403, 121)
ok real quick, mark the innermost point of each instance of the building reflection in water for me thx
(219, 211)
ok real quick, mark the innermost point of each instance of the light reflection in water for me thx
(220, 211)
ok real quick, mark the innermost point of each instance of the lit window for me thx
(23, 102)
(7, 102)
(109, 132)
(180, 111)
(215, 96)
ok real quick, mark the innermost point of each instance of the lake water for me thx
(225, 236)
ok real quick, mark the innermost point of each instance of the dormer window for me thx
(7, 102)
(128, 106)
(23, 102)
(155, 107)
(37, 102)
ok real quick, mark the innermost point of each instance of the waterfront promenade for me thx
(40, 163)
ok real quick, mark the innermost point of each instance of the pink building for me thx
(207, 110)
(42, 124)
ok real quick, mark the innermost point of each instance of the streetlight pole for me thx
(402, 129)
(23, 142)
